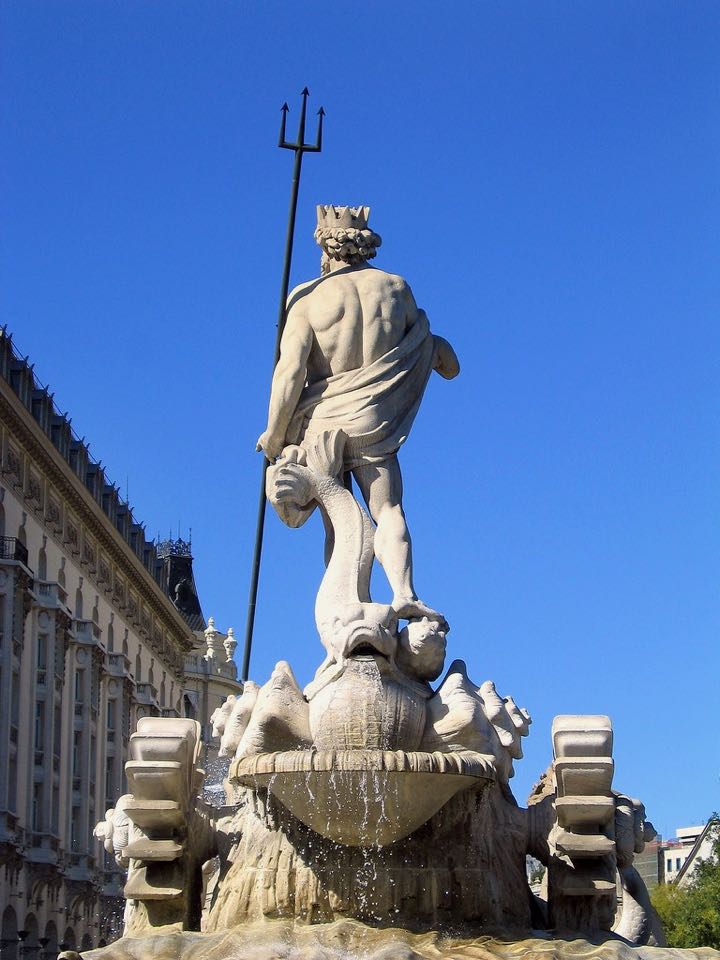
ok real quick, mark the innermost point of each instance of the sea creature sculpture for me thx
(346, 617)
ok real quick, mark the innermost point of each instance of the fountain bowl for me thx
(361, 798)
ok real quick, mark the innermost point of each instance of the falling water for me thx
(216, 771)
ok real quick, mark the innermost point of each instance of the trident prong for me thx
(284, 110)
(300, 147)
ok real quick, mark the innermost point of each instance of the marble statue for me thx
(355, 357)
(371, 813)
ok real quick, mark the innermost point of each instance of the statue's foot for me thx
(410, 608)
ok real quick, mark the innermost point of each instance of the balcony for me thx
(51, 595)
(44, 848)
(118, 665)
(87, 631)
(12, 549)
(81, 868)
(147, 694)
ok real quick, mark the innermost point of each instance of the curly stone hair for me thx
(348, 243)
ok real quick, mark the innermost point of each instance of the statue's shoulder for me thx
(301, 292)
(304, 286)
(392, 281)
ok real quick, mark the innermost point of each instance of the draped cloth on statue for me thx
(374, 405)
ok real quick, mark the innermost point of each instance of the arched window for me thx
(138, 669)
(2, 520)
(42, 564)
(30, 944)
(8, 931)
(69, 941)
(52, 939)
(78, 604)
(22, 533)
(111, 638)
(61, 573)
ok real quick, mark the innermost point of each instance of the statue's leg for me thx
(382, 489)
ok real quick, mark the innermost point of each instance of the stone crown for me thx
(330, 216)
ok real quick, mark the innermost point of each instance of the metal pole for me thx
(300, 147)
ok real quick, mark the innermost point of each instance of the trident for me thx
(300, 147)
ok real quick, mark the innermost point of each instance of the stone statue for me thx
(355, 356)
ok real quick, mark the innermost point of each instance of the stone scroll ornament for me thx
(375, 796)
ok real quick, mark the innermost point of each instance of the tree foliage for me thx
(691, 914)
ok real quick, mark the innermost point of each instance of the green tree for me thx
(691, 914)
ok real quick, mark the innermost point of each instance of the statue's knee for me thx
(392, 519)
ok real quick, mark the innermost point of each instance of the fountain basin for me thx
(362, 798)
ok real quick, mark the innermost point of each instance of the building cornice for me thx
(68, 485)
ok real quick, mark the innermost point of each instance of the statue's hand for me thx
(446, 361)
(270, 444)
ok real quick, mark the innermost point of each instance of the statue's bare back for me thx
(356, 316)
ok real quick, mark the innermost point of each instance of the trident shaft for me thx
(300, 147)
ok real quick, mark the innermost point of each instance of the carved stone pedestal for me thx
(463, 867)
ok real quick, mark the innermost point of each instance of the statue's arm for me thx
(287, 382)
(446, 361)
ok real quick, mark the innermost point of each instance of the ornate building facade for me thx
(98, 627)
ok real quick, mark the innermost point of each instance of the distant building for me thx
(98, 627)
(649, 863)
(675, 852)
(701, 850)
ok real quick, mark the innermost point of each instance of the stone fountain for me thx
(369, 814)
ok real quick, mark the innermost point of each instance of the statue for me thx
(356, 354)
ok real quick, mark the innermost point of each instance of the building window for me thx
(14, 706)
(77, 752)
(40, 725)
(669, 865)
(41, 657)
(57, 733)
(677, 863)
(109, 781)
(111, 714)
(79, 683)
(37, 807)
(12, 785)
(76, 829)
(93, 762)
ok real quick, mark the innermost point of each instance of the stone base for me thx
(348, 939)
(465, 865)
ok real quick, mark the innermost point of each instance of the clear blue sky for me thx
(546, 176)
